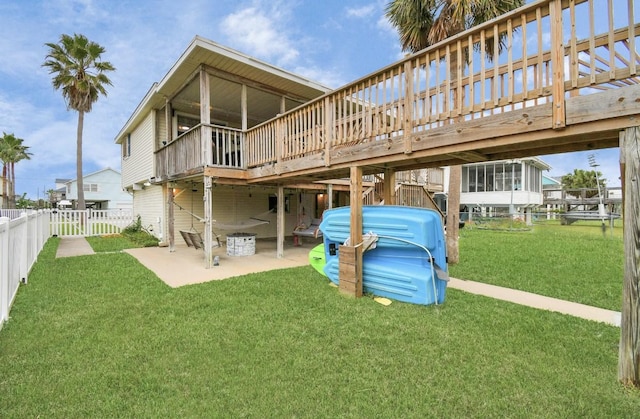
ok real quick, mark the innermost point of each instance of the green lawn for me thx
(575, 262)
(101, 336)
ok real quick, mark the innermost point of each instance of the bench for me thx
(313, 230)
(194, 239)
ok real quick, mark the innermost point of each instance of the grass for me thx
(101, 336)
(110, 243)
(574, 262)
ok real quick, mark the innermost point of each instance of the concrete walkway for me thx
(73, 246)
(538, 301)
(185, 266)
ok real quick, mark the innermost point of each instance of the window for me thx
(90, 187)
(185, 123)
(126, 146)
(490, 175)
(465, 179)
(481, 179)
(499, 182)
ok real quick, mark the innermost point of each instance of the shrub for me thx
(139, 235)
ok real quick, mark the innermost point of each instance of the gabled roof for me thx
(92, 174)
(203, 51)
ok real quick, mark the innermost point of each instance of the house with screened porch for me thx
(225, 139)
(192, 164)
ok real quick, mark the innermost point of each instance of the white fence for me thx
(11, 213)
(89, 222)
(22, 237)
(21, 240)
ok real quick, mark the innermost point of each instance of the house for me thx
(102, 190)
(502, 187)
(194, 157)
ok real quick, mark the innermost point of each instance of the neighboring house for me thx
(102, 190)
(190, 156)
(60, 192)
(502, 187)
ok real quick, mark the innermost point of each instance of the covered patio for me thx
(184, 266)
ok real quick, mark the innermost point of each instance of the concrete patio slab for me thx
(185, 266)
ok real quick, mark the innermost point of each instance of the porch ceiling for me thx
(223, 61)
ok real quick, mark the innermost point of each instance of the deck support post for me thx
(629, 353)
(389, 187)
(280, 223)
(172, 219)
(205, 118)
(350, 257)
(208, 222)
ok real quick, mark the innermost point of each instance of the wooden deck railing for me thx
(542, 53)
(191, 151)
(536, 54)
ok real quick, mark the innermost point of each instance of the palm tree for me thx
(422, 23)
(53, 197)
(11, 151)
(79, 72)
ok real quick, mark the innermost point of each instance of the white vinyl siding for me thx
(148, 204)
(139, 166)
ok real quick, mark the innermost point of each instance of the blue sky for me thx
(330, 41)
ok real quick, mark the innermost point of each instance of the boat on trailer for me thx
(405, 257)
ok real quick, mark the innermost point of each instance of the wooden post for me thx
(350, 257)
(329, 113)
(168, 116)
(557, 63)
(389, 187)
(408, 114)
(205, 118)
(208, 217)
(329, 203)
(453, 213)
(172, 242)
(280, 224)
(629, 355)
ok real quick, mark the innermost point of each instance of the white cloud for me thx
(259, 33)
(361, 12)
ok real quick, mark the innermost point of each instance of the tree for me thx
(422, 23)
(584, 179)
(12, 151)
(79, 72)
(53, 197)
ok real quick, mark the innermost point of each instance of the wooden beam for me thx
(629, 354)
(557, 62)
(171, 216)
(470, 156)
(208, 223)
(205, 117)
(280, 224)
(350, 257)
(389, 187)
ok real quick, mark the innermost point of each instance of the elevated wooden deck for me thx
(573, 85)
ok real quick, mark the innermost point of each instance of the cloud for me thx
(361, 12)
(259, 32)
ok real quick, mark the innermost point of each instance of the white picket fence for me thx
(21, 240)
(22, 237)
(89, 222)
(11, 213)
